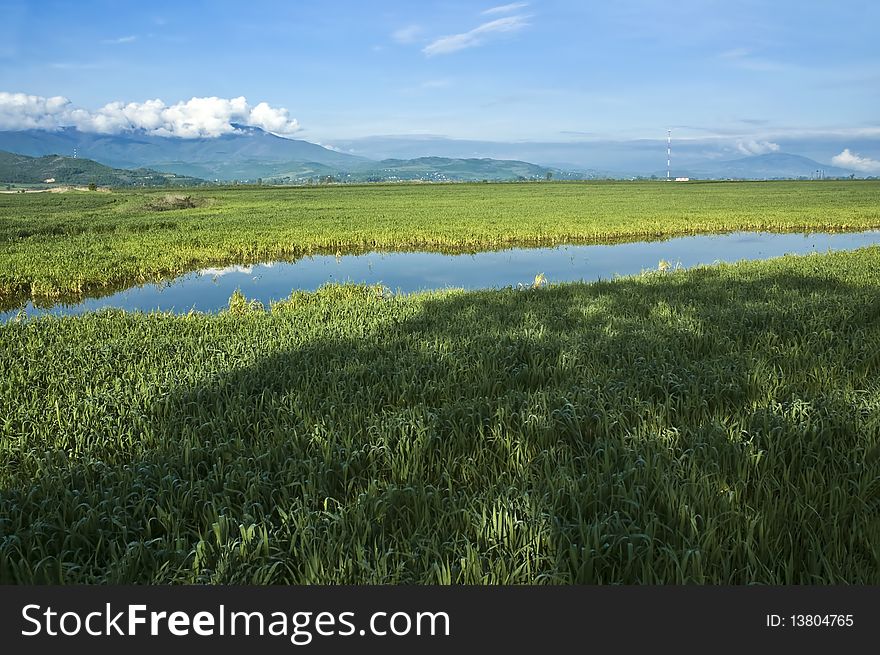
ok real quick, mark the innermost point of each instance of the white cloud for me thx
(219, 272)
(408, 34)
(851, 160)
(122, 39)
(19, 111)
(745, 58)
(505, 9)
(273, 119)
(752, 147)
(78, 65)
(735, 53)
(197, 117)
(477, 36)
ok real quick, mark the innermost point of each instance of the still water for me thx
(208, 290)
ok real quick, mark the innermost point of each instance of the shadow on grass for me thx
(710, 427)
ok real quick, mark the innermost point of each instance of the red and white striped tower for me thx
(668, 153)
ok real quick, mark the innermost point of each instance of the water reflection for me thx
(208, 290)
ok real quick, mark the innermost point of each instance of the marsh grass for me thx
(716, 425)
(57, 244)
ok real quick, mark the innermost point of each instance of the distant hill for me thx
(227, 157)
(21, 169)
(445, 168)
(432, 169)
(250, 154)
(764, 167)
(436, 169)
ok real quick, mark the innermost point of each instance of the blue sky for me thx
(744, 73)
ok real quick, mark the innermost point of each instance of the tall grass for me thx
(717, 425)
(54, 244)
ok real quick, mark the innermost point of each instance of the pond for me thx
(208, 290)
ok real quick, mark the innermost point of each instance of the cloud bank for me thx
(197, 117)
(477, 36)
(752, 147)
(851, 160)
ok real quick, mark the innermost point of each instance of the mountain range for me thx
(250, 154)
(224, 157)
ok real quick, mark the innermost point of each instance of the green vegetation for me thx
(52, 244)
(432, 169)
(446, 169)
(69, 170)
(717, 425)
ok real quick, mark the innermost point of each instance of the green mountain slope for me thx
(136, 149)
(428, 169)
(21, 169)
(443, 168)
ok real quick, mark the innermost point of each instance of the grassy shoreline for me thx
(59, 244)
(717, 425)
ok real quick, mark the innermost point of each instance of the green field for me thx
(716, 425)
(53, 244)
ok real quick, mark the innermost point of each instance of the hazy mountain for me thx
(436, 169)
(608, 157)
(456, 169)
(22, 169)
(777, 165)
(575, 155)
(251, 154)
(442, 169)
(250, 170)
(463, 169)
(225, 157)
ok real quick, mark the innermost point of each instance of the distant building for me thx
(49, 180)
(682, 179)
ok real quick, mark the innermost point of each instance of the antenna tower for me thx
(668, 153)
